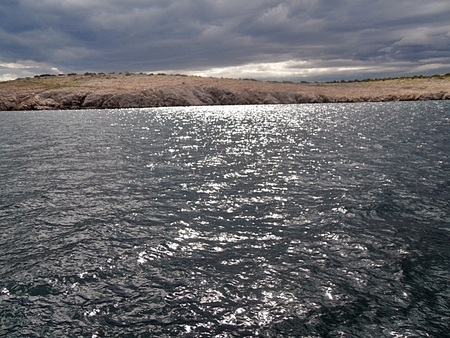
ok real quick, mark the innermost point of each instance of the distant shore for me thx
(102, 91)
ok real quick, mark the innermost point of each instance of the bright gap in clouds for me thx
(286, 70)
(292, 70)
(298, 70)
(25, 68)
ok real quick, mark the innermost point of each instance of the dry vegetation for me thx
(99, 90)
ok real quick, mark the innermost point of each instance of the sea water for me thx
(325, 220)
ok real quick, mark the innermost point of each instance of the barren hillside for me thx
(141, 90)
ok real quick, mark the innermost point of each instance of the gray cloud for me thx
(306, 39)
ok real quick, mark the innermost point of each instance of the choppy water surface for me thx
(309, 220)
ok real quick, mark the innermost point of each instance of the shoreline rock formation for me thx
(103, 91)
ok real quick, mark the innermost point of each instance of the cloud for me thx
(24, 68)
(319, 70)
(335, 37)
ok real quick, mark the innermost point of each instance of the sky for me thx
(292, 40)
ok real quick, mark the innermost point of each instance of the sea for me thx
(312, 220)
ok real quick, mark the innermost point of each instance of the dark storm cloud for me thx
(264, 38)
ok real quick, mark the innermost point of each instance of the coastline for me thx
(106, 91)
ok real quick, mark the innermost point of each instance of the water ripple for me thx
(311, 220)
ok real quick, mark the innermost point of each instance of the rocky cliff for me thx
(100, 91)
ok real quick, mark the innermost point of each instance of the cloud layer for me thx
(266, 39)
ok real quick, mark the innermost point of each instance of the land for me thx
(101, 91)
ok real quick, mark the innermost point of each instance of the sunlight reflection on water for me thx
(304, 220)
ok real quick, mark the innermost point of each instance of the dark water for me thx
(273, 221)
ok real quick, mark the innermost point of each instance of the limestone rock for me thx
(117, 91)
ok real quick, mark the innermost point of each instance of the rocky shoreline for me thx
(102, 91)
